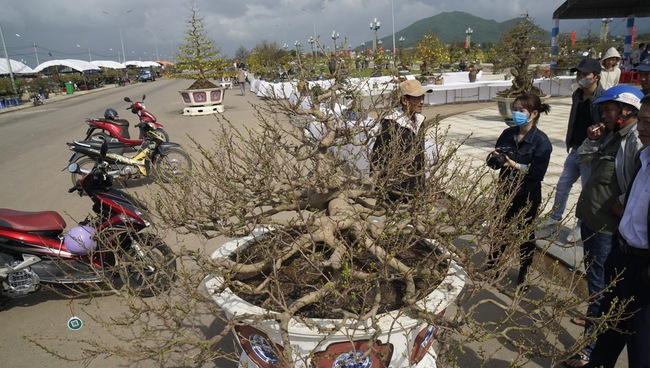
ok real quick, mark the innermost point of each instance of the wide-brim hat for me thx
(413, 88)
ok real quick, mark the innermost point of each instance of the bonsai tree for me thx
(338, 247)
(199, 57)
(517, 49)
(431, 52)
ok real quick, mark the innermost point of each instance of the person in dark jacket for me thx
(629, 263)
(528, 152)
(398, 154)
(583, 115)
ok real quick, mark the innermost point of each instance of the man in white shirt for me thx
(630, 260)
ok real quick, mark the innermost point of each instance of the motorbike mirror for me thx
(143, 96)
(104, 148)
(127, 99)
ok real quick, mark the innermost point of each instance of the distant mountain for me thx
(450, 27)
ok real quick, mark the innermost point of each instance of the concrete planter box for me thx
(203, 101)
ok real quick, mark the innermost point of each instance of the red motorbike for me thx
(113, 129)
(35, 248)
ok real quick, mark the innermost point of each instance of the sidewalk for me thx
(27, 103)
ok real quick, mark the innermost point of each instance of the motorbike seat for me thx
(124, 127)
(120, 122)
(31, 221)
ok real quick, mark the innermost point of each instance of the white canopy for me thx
(78, 65)
(16, 67)
(141, 64)
(110, 64)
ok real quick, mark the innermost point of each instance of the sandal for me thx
(576, 361)
(577, 320)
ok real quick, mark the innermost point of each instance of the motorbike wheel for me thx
(85, 164)
(148, 266)
(175, 164)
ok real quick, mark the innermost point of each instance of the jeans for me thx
(596, 248)
(573, 169)
(634, 331)
(242, 86)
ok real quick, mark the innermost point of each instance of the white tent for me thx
(141, 64)
(78, 65)
(16, 67)
(110, 64)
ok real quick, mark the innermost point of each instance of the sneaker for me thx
(574, 236)
(549, 222)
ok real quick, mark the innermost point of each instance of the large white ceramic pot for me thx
(403, 340)
(505, 108)
(203, 101)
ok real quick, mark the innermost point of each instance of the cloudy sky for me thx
(153, 29)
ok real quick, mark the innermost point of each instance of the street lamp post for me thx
(375, 25)
(335, 36)
(119, 26)
(297, 44)
(311, 41)
(605, 28)
(11, 73)
(468, 37)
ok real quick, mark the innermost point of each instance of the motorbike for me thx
(168, 159)
(117, 130)
(37, 99)
(35, 249)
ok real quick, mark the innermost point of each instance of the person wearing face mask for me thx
(529, 152)
(398, 155)
(610, 151)
(583, 115)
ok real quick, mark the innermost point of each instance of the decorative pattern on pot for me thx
(199, 97)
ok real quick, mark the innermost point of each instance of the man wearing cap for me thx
(398, 155)
(583, 115)
(644, 75)
(629, 263)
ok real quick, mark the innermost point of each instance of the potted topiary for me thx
(199, 59)
(517, 48)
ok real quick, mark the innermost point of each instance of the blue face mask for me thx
(519, 118)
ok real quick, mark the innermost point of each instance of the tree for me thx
(268, 59)
(517, 48)
(340, 247)
(199, 57)
(431, 52)
(242, 54)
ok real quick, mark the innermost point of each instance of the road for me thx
(34, 155)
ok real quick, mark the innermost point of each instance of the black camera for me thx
(496, 160)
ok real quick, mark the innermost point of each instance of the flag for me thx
(573, 38)
(633, 34)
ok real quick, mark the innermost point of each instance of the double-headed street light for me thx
(605, 28)
(375, 25)
(468, 37)
(297, 44)
(335, 36)
(311, 41)
(119, 26)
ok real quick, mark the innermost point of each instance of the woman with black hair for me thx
(522, 154)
